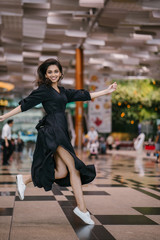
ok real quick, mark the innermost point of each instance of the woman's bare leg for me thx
(61, 170)
(74, 177)
(27, 179)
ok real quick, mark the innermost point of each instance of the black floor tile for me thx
(8, 174)
(67, 203)
(148, 193)
(95, 193)
(110, 185)
(138, 185)
(153, 176)
(56, 191)
(148, 210)
(136, 182)
(155, 185)
(37, 198)
(62, 188)
(101, 233)
(155, 189)
(5, 193)
(6, 211)
(70, 198)
(7, 183)
(125, 220)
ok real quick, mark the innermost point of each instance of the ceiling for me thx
(120, 38)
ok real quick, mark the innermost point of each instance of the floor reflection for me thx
(84, 232)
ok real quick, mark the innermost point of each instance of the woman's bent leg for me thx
(60, 170)
(27, 179)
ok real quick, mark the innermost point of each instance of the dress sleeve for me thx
(35, 97)
(77, 95)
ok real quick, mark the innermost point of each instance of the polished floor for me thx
(124, 201)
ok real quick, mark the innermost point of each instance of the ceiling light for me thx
(51, 46)
(34, 28)
(154, 41)
(57, 19)
(119, 56)
(142, 54)
(156, 14)
(67, 51)
(27, 54)
(152, 48)
(96, 60)
(95, 42)
(131, 61)
(141, 36)
(108, 64)
(92, 3)
(76, 33)
(14, 57)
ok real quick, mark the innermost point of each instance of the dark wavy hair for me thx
(41, 71)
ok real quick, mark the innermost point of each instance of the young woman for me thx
(54, 159)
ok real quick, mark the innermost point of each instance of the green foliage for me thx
(145, 92)
(135, 100)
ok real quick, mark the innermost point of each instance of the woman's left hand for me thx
(2, 118)
(112, 87)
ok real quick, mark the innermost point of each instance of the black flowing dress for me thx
(53, 132)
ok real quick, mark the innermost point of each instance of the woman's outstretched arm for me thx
(11, 113)
(109, 90)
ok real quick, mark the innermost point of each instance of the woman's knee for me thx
(61, 174)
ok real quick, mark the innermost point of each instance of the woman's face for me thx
(53, 73)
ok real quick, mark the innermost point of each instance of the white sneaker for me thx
(21, 187)
(84, 216)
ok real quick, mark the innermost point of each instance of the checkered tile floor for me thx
(123, 203)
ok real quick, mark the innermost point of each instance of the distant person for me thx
(93, 142)
(20, 144)
(92, 134)
(110, 141)
(138, 146)
(6, 142)
(12, 149)
(19, 148)
(102, 145)
(117, 143)
(158, 144)
(139, 128)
